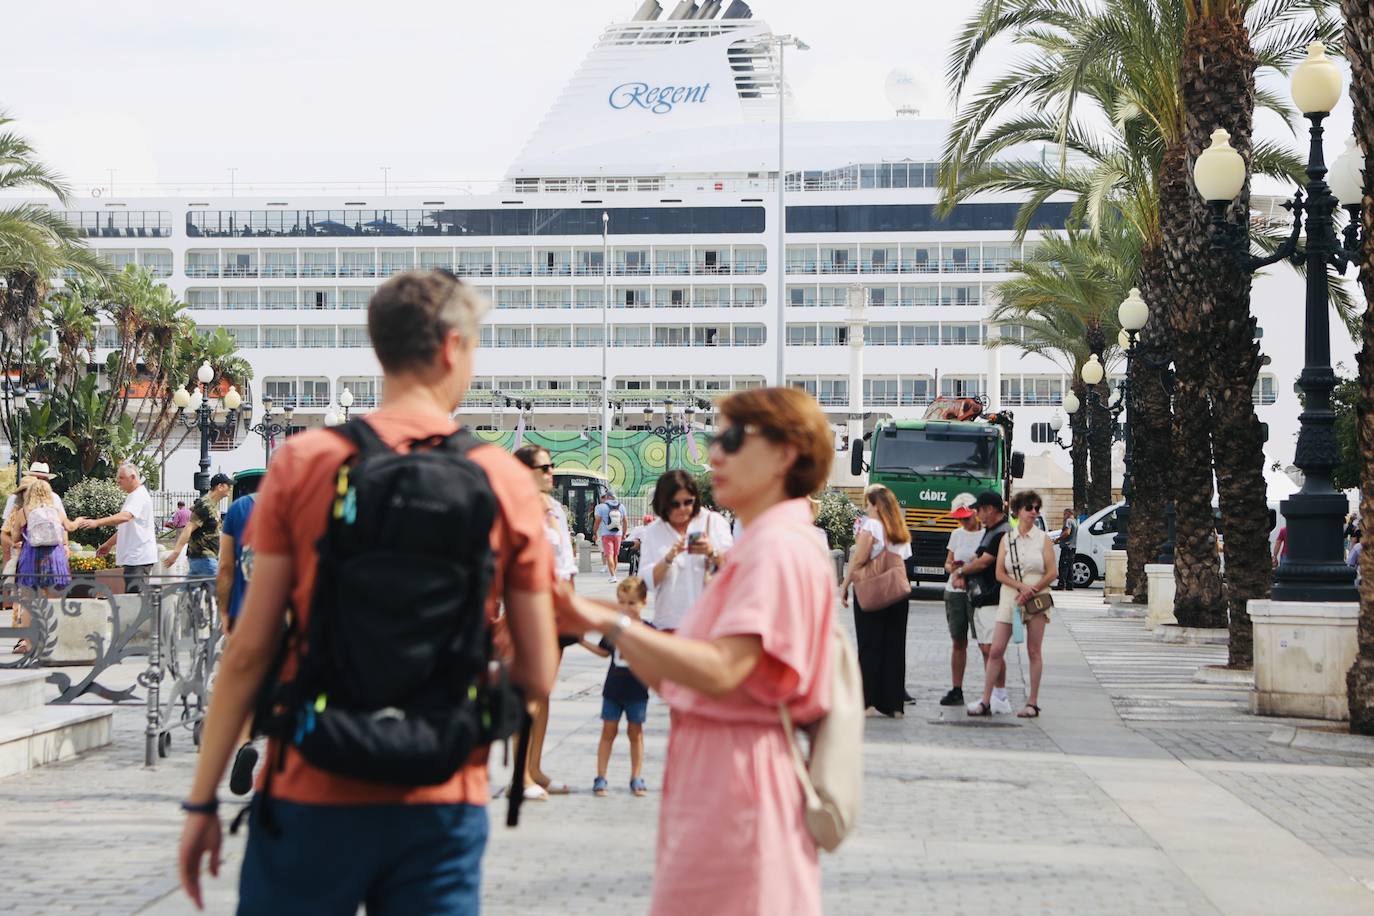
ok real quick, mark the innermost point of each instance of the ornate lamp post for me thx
(671, 429)
(1313, 567)
(20, 400)
(334, 417)
(269, 429)
(1133, 313)
(201, 417)
(1057, 421)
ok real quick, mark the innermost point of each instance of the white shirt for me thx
(10, 504)
(564, 560)
(875, 530)
(686, 577)
(963, 544)
(135, 540)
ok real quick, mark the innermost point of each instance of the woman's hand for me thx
(199, 835)
(1024, 593)
(700, 547)
(675, 551)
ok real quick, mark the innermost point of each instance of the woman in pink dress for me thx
(732, 838)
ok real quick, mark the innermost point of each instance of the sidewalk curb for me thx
(1190, 636)
(1126, 609)
(1220, 674)
(1307, 739)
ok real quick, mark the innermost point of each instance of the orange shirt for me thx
(289, 518)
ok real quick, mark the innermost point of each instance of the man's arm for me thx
(118, 518)
(182, 540)
(529, 616)
(224, 579)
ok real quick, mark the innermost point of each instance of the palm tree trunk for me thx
(1197, 569)
(1218, 89)
(1150, 430)
(1359, 41)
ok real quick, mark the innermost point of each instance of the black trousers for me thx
(1066, 569)
(881, 636)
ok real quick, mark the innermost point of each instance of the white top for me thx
(1030, 549)
(10, 504)
(686, 577)
(135, 540)
(560, 539)
(963, 544)
(875, 530)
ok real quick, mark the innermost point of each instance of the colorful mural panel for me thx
(637, 457)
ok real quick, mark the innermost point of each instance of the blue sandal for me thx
(599, 786)
(638, 786)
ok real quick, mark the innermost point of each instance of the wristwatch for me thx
(620, 626)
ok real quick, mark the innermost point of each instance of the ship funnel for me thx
(738, 10)
(709, 9)
(685, 9)
(648, 11)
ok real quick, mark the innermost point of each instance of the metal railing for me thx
(173, 622)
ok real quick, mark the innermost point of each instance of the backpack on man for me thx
(614, 517)
(395, 679)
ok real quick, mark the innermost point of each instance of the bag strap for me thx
(813, 800)
(1015, 558)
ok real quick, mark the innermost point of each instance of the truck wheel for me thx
(1083, 571)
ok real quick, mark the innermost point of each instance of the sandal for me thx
(536, 793)
(638, 786)
(599, 787)
(979, 709)
(1029, 715)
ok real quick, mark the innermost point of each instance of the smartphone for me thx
(693, 537)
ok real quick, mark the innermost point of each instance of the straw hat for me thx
(40, 470)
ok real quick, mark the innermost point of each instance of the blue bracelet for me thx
(210, 807)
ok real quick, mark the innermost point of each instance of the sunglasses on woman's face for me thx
(732, 440)
(1034, 507)
(542, 468)
(682, 503)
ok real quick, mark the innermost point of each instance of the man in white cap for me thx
(963, 544)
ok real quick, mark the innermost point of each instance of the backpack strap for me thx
(362, 436)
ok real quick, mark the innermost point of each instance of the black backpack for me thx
(396, 681)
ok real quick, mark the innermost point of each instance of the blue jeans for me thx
(202, 566)
(395, 859)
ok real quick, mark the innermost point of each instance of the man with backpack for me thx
(393, 540)
(610, 529)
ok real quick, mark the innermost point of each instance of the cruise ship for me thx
(647, 203)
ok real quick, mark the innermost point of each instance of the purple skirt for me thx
(43, 567)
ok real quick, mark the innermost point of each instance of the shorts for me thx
(986, 618)
(635, 711)
(610, 543)
(199, 567)
(959, 615)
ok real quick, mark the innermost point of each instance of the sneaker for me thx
(955, 697)
(599, 786)
(241, 775)
(1001, 706)
(614, 580)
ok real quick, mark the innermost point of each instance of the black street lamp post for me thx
(1313, 568)
(268, 429)
(201, 417)
(672, 428)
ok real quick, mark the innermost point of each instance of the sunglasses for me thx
(1034, 508)
(546, 468)
(682, 504)
(732, 440)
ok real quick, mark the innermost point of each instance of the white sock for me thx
(999, 693)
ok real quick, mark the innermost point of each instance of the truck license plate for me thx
(930, 570)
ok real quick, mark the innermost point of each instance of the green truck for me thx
(926, 463)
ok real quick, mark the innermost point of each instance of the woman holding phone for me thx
(732, 835)
(681, 549)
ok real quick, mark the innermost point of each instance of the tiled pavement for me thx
(1139, 791)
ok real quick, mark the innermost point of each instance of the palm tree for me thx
(1065, 303)
(1359, 40)
(1122, 64)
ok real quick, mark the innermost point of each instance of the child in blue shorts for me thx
(622, 694)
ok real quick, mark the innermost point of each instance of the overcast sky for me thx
(176, 92)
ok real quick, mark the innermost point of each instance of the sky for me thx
(280, 92)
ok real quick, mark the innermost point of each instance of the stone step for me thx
(34, 737)
(22, 689)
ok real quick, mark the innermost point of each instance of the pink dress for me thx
(731, 834)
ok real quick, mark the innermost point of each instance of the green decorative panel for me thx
(636, 457)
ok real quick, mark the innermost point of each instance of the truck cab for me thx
(926, 463)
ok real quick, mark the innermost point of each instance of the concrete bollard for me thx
(584, 555)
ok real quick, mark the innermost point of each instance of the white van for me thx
(1096, 533)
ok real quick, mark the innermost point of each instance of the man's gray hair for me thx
(128, 467)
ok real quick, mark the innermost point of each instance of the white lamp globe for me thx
(1057, 421)
(1347, 175)
(345, 398)
(205, 374)
(1092, 370)
(196, 400)
(1133, 312)
(1316, 81)
(232, 399)
(1071, 404)
(331, 418)
(181, 398)
(1219, 173)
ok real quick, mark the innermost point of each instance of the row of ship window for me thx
(622, 297)
(117, 222)
(900, 391)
